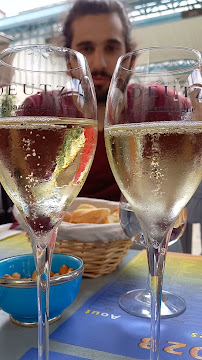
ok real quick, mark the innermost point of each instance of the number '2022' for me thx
(174, 348)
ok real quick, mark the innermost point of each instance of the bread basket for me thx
(101, 246)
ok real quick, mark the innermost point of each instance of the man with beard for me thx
(100, 30)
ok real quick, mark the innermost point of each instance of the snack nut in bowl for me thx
(92, 231)
(18, 287)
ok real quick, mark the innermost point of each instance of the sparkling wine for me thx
(44, 163)
(157, 167)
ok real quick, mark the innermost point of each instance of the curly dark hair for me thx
(95, 7)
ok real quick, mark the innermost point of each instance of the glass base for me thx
(137, 302)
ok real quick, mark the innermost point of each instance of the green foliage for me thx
(7, 104)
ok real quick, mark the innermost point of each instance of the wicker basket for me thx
(99, 257)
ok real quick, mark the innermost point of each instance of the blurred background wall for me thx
(160, 22)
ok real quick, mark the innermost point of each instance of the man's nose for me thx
(99, 60)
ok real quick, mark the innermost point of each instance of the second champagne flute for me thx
(153, 137)
(48, 133)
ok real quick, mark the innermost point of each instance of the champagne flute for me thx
(154, 144)
(138, 302)
(48, 134)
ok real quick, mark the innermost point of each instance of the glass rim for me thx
(18, 48)
(178, 48)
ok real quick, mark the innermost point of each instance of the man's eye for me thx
(111, 48)
(86, 49)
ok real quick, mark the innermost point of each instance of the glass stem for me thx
(43, 259)
(43, 279)
(156, 261)
(148, 283)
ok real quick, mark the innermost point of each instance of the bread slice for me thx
(114, 216)
(91, 216)
(86, 206)
(182, 218)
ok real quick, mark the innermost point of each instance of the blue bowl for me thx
(18, 297)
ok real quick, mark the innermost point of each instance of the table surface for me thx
(15, 340)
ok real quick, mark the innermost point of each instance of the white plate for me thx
(6, 232)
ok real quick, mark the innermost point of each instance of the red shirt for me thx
(100, 182)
